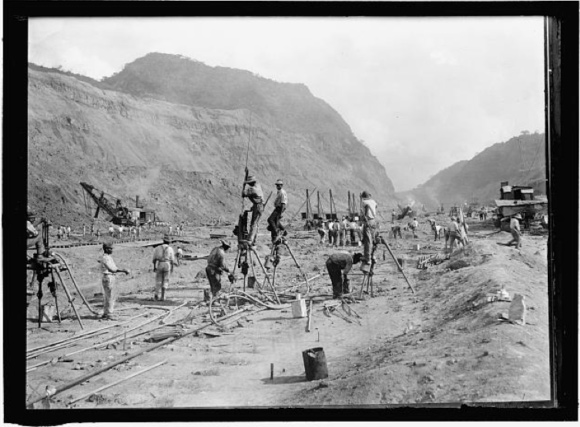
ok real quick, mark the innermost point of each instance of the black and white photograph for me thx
(252, 212)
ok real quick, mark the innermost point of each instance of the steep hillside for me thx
(181, 80)
(521, 161)
(185, 161)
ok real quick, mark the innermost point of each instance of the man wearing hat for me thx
(163, 262)
(369, 207)
(515, 230)
(109, 269)
(453, 234)
(280, 204)
(256, 196)
(34, 233)
(215, 266)
(338, 266)
(413, 225)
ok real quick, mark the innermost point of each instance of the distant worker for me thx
(256, 195)
(121, 229)
(396, 230)
(111, 230)
(453, 234)
(332, 233)
(163, 262)
(179, 255)
(109, 269)
(343, 231)
(68, 230)
(369, 226)
(393, 216)
(280, 204)
(438, 230)
(516, 232)
(355, 232)
(338, 266)
(98, 234)
(413, 226)
(321, 231)
(215, 266)
(59, 232)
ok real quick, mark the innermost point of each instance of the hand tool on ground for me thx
(384, 242)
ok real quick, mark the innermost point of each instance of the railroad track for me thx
(77, 244)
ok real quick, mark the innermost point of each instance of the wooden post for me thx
(331, 201)
(309, 324)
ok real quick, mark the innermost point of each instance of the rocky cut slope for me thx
(186, 161)
(520, 161)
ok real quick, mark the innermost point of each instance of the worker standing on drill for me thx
(255, 194)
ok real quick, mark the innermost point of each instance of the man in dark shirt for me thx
(338, 266)
(215, 266)
(256, 196)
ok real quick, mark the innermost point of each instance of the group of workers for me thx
(338, 265)
(255, 194)
(347, 231)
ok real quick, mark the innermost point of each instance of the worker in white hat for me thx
(255, 194)
(163, 263)
(280, 204)
(516, 232)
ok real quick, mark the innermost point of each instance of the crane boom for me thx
(119, 213)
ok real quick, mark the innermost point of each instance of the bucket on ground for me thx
(251, 282)
(299, 307)
(315, 364)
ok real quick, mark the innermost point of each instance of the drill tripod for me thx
(244, 260)
(46, 264)
(274, 259)
(42, 270)
(368, 276)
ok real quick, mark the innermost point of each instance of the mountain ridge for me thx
(181, 160)
(520, 161)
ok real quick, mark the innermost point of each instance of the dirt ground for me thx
(445, 343)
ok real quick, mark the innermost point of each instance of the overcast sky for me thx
(422, 93)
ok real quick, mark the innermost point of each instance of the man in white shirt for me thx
(369, 226)
(109, 269)
(453, 234)
(256, 195)
(516, 232)
(163, 262)
(280, 204)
